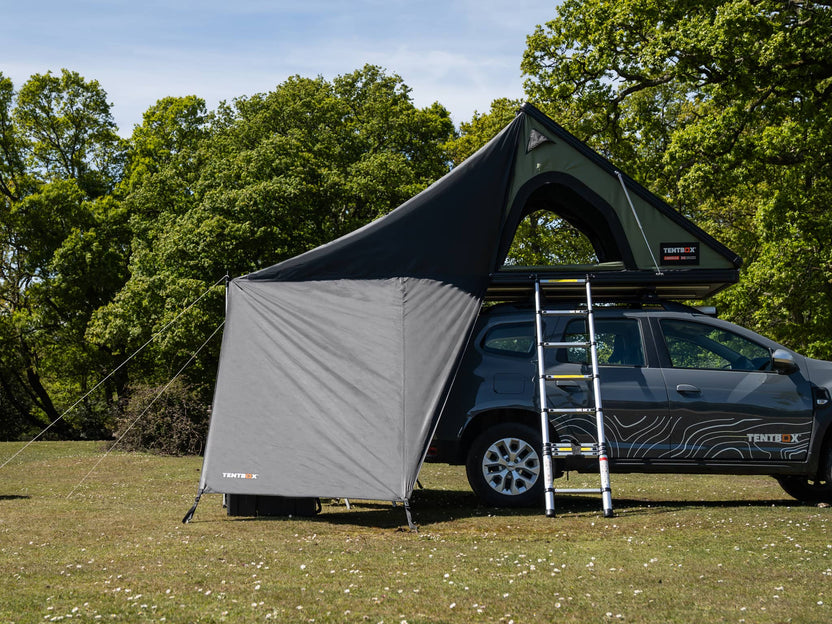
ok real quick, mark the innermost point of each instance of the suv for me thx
(682, 392)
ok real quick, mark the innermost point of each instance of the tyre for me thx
(504, 466)
(811, 490)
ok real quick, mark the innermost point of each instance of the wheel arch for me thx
(489, 418)
(821, 442)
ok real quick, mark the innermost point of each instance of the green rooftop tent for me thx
(335, 364)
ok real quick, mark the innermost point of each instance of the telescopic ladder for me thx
(597, 449)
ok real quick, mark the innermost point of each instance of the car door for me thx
(728, 402)
(633, 393)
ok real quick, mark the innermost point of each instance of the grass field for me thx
(680, 549)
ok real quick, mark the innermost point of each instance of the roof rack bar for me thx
(565, 281)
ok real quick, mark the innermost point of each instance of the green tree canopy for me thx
(62, 246)
(69, 131)
(725, 107)
(260, 180)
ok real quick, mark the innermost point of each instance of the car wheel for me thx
(504, 466)
(811, 490)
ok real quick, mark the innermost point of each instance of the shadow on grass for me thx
(633, 506)
(13, 496)
(438, 506)
(430, 507)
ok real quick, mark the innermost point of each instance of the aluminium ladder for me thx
(558, 449)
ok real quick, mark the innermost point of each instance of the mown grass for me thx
(680, 549)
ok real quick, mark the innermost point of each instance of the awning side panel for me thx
(438, 320)
(330, 388)
(309, 394)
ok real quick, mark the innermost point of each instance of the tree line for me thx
(723, 108)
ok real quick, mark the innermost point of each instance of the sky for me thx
(460, 53)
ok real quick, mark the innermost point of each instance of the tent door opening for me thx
(560, 201)
(546, 239)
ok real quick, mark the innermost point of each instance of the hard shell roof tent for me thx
(335, 364)
(644, 246)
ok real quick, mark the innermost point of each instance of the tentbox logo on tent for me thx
(239, 475)
(680, 253)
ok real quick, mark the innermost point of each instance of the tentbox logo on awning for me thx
(238, 475)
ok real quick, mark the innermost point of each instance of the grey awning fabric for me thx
(335, 364)
(330, 399)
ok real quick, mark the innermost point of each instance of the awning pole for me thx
(192, 510)
(407, 513)
(638, 222)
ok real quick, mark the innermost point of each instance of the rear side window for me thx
(510, 339)
(618, 342)
(696, 345)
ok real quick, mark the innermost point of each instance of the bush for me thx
(175, 423)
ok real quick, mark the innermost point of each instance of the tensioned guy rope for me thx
(115, 370)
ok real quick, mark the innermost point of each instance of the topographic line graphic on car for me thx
(646, 436)
(791, 442)
(747, 438)
(713, 438)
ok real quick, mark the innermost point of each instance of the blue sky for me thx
(461, 53)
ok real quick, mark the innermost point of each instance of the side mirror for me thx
(783, 362)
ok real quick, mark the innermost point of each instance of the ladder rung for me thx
(556, 377)
(578, 490)
(564, 450)
(571, 280)
(570, 410)
(566, 345)
(563, 312)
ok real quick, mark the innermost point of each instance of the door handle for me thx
(687, 389)
(568, 386)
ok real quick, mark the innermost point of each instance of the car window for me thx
(510, 339)
(696, 345)
(618, 342)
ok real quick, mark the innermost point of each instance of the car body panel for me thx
(634, 400)
(658, 418)
(736, 415)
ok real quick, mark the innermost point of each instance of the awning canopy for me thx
(335, 365)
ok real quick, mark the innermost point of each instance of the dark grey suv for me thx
(682, 392)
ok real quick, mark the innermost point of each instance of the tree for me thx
(62, 252)
(725, 107)
(70, 133)
(262, 179)
(12, 169)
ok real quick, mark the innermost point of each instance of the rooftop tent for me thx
(644, 246)
(335, 364)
